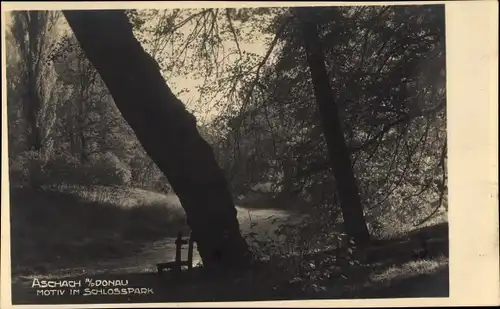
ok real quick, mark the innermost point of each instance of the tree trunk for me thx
(167, 131)
(32, 108)
(347, 189)
(32, 98)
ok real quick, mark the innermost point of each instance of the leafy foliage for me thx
(250, 87)
(88, 142)
(387, 69)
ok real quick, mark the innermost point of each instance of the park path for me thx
(261, 221)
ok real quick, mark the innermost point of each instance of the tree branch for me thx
(233, 32)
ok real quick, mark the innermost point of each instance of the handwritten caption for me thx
(87, 287)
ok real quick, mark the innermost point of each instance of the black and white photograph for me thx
(233, 153)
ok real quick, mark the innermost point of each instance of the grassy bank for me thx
(65, 225)
(384, 273)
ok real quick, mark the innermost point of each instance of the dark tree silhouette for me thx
(347, 189)
(167, 132)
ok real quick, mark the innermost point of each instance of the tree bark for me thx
(167, 132)
(32, 98)
(347, 189)
(32, 105)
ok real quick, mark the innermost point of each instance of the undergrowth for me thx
(312, 262)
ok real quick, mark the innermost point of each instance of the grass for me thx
(413, 263)
(318, 278)
(393, 227)
(407, 270)
(73, 224)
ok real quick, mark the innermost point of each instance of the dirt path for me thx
(261, 221)
(139, 268)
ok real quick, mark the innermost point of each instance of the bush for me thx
(30, 169)
(63, 169)
(107, 169)
(27, 170)
(146, 175)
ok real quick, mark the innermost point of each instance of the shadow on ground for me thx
(415, 265)
(58, 229)
(388, 274)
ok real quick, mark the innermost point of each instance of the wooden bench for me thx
(176, 266)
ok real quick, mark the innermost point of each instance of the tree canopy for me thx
(245, 75)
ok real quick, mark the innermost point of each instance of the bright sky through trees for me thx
(186, 85)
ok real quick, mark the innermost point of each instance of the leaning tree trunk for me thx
(347, 189)
(167, 132)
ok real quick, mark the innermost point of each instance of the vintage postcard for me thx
(249, 154)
